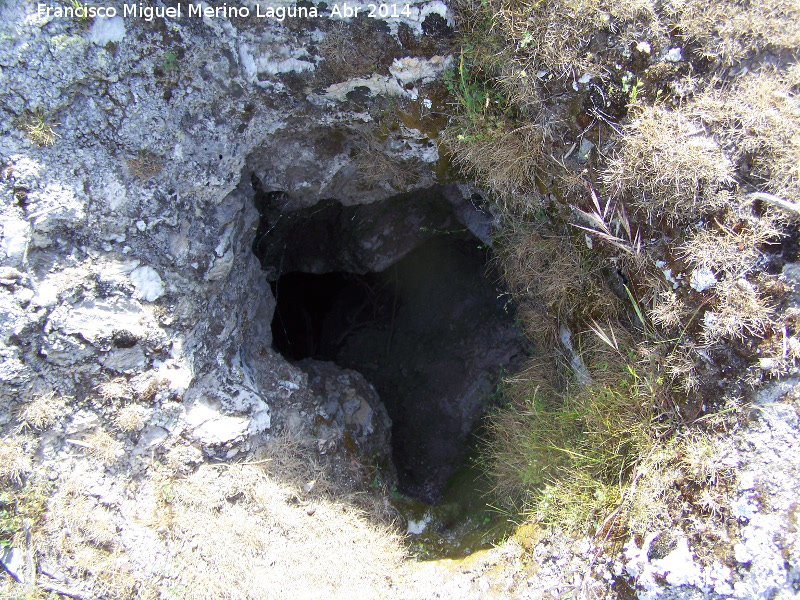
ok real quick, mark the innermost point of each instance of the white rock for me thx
(767, 364)
(16, 235)
(148, 284)
(741, 554)
(14, 562)
(674, 55)
(105, 30)
(221, 267)
(83, 420)
(644, 47)
(211, 428)
(702, 279)
(94, 320)
(747, 481)
(417, 527)
(150, 438)
(410, 69)
(678, 567)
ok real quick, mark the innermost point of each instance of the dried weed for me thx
(730, 30)
(145, 165)
(41, 412)
(504, 158)
(242, 531)
(103, 447)
(129, 418)
(14, 460)
(739, 311)
(116, 389)
(671, 167)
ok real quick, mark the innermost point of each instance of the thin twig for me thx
(62, 591)
(775, 201)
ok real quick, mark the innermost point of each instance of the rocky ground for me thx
(139, 394)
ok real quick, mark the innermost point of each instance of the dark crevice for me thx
(429, 329)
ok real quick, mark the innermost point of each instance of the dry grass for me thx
(40, 128)
(555, 34)
(41, 412)
(294, 462)
(669, 311)
(145, 165)
(758, 117)
(681, 366)
(103, 447)
(357, 50)
(565, 453)
(14, 460)
(376, 165)
(555, 275)
(82, 534)
(117, 389)
(671, 167)
(241, 532)
(686, 162)
(732, 248)
(730, 30)
(684, 471)
(739, 311)
(504, 158)
(129, 418)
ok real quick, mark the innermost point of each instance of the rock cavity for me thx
(400, 291)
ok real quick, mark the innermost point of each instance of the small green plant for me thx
(567, 454)
(475, 96)
(21, 508)
(40, 128)
(631, 85)
(170, 62)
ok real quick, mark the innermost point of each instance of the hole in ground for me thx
(430, 331)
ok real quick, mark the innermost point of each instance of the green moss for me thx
(22, 508)
(465, 519)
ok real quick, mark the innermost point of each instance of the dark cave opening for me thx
(430, 329)
(315, 313)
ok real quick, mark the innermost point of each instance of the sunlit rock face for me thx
(129, 149)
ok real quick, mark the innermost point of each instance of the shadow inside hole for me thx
(429, 332)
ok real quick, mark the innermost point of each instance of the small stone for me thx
(309, 486)
(741, 554)
(141, 225)
(745, 285)
(702, 279)
(767, 364)
(9, 275)
(310, 510)
(644, 47)
(13, 561)
(674, 55)
(105, 30)
(584, 151)
(148, 283)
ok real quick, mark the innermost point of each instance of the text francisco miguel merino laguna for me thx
(148, 13)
